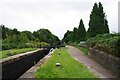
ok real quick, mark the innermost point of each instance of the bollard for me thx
(58, 53)
(57, 64)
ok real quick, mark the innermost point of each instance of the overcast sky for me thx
(56, 15)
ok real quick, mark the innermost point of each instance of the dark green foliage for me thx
(65, 38)
(29, 35)
(12, 38)
(68, 37)
(81, 32)
(5, 46)
(109, 43)
(45, 35)
(8, 32)
(98, 23)
(14, 41)
(77, 35)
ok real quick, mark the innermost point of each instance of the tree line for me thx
(12, 38)
(98, 24)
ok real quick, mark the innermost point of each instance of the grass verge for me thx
(7, 53)
(70, 68)
(83, 49)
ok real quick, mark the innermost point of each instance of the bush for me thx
(29, 45)
(44, 44)
(109, 43)
(7, 44)
(5, 47)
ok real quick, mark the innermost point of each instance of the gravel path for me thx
(93, 66)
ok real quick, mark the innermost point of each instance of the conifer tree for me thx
(75, 34)
(81, 32)
(98, 23)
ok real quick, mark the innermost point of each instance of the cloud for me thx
(56, 15)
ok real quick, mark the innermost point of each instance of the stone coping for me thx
(17, 56)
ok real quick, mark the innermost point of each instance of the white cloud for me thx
(56, 15)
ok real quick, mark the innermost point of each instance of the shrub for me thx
(109, 43)
(44, 44)
(5, 47)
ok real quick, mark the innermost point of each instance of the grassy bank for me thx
(7, 53)
(83, 49)
(70, 68)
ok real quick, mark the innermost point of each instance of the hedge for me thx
(109, 43)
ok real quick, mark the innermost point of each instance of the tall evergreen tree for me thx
(106, 26)
(98, 23)
(65, 38)
(81, 32)
(75, 34)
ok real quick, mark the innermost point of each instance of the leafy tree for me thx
(12, 38)
(23, 38)
(44, 35)
(29, 35)
(6, 32)
(15, 31)
(98, 23)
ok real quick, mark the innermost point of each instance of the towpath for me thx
(92, 65)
